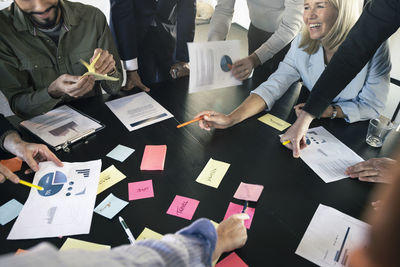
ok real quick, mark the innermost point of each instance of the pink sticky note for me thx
(235, 208)
(183, 207)
(249, 192)
(232, 260)
(139, 190)
(153, 158)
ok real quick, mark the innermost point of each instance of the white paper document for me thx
(60, 125)
(327, 156)
(331, 236)
(211, 64)
(138, 111)
(65, 206)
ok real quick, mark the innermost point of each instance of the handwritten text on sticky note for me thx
(274, 122)
(109, 177)
(213, 173)
(139, 190)
(183, 207)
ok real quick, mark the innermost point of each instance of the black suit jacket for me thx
(131, 19)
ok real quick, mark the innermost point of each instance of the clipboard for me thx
(62, 127)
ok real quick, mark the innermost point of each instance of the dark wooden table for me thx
(292, 191)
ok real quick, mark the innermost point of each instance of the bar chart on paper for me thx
(331, 236)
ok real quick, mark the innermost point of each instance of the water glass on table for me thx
(378, 129)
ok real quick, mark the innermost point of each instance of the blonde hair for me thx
(348, 13)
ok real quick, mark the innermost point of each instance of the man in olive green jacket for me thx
(41, 44)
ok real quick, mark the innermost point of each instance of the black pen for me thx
(245, 206)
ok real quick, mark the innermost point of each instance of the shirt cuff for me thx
(131, 64)
(3, 137)
(204, 230)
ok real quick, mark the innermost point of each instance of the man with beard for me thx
(41, 44)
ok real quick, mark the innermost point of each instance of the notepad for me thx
(120, 153)
(231, 260)
(149, 234)
(109, 177)
(13, 164)
(110, 206)
(250, 192)
(72, 243)
(153, 158)
(235, 208)
(139, 190)
(183, 207)
(274, 122)
(213, 173)
(10, 211)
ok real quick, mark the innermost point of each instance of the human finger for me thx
(107, 65)
(7, 174)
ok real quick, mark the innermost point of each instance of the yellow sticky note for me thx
(149, 234)
(213, 173)
(275, 122)
(109, 177)
(72, 243)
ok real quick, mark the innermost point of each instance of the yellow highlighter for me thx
(30, 185)
(286, 142)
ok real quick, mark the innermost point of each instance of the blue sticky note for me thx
(120, 153)
(110, 206)
(10, 211)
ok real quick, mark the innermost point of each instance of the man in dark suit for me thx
(151, 37)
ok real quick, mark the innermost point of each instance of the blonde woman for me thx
(326, 25)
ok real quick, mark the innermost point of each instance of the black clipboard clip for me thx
(76, 138)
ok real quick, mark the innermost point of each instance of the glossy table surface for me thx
(292, 191)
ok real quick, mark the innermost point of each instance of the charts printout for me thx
(60, 125)
(138, 110)
(327, 156)
(65, 206)
(211, 64)
(331, 236)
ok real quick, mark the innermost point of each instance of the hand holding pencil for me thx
(212, 119)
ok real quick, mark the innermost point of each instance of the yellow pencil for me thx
(30, 185)
(286, 142)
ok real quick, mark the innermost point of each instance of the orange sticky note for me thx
(153, 158)
(13, 164)
(20, 251)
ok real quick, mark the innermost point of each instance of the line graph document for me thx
(65, 206)
(327, 156)
(138, 111)
(211, 65)
(331, 236)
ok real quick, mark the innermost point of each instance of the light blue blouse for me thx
(362, 99)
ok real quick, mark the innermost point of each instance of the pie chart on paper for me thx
(226, 63)
(52, 183)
